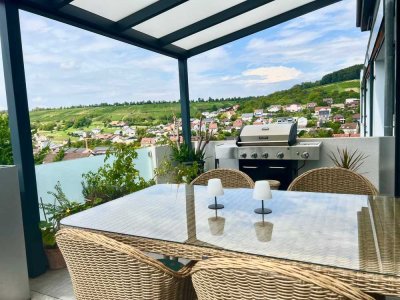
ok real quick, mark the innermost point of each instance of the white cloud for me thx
(97, 45)
(39, 58)
(38, 100)
(34, 25)
(68, 65)
(319, 42)
(210, 60)
(271, 74)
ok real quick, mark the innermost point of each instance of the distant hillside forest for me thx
(346, 74)
(338, 85)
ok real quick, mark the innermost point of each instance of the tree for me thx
(60, 155)
(141, 132)
(68, 124)
(334, 125)
(82, 122)
(48, 126)
(6, 157)
(40, 156)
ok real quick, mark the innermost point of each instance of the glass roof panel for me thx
(252, 17)
(183, 15)
(111, 9)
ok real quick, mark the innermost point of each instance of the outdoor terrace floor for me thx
(57, 285)
(52, 285)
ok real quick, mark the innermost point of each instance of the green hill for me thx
(149, 113)
(141, 114)
(339, 91)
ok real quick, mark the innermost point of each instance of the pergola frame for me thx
(63, 11)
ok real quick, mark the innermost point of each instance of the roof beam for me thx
(147, 13)
(57, 4)
(284, 17)
(220, 17)
(54, 4)
(83, 19)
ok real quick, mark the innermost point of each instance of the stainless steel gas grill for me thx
(270, 152)
(268, 135)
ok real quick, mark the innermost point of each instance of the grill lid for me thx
(268, 135)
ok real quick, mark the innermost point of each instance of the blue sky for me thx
(67, 66)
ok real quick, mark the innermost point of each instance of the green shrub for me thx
(54, 212)
(115, 179)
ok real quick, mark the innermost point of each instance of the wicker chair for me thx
(253, 278)
(333, 180)
(230, 178)
(104, 269)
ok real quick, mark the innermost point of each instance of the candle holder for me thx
(214, 189)
(262, 191)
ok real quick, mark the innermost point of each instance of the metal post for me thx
(397, 115)
(21, 140)
(363, 104)
(363, 109)
(184, 93)
(389, 67)
(371, 97)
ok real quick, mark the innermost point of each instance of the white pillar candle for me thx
(262, 190)
(214, 187)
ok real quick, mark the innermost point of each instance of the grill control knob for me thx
(305, 155)
(265, 155)
(254, 155)
(243, 155)
(280, 155)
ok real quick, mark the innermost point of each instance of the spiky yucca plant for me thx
(351, 160)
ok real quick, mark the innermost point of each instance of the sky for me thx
(67, 66)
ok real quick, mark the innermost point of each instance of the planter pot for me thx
(14, 281)
(55, 259)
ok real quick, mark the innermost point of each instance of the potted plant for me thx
(346, 159)
(54, 257)
(186, 162)
(53, 213)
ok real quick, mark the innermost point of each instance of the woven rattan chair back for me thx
(230, 178)
(333, 180)
(223, 278)
(104, 269)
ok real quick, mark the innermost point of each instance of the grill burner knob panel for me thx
(254, 155)
(305, 155)
(280, 155)
(265, 155)
(243, 155)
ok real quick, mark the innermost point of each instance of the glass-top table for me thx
(349, 232)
